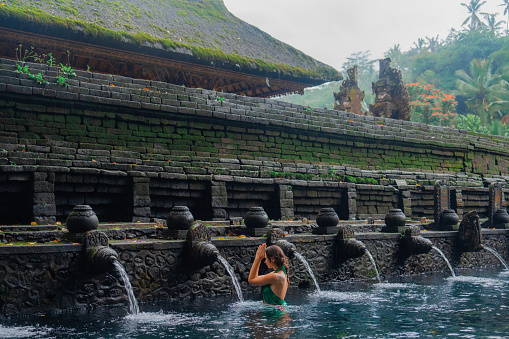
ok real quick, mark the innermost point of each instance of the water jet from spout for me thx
(231, 272)
(445, 258)
(499, 257)
(374, 265)
(308, 268)
(133, 304)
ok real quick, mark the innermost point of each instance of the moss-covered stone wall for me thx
(112, 141)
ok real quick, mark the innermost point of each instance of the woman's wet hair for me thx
(275, 253)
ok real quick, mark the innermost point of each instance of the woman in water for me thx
(274, 284)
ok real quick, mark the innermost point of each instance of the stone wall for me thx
(132, 149)
(45, 279)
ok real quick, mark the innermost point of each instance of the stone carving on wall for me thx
(391, 95)
(469, 232)
(349, 98)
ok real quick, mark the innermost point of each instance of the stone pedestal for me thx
(325, 230)
(173, 234)
(256, 232)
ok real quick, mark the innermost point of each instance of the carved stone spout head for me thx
(277, 236)
(287, 247)
(413, 244)
(469, 233)
(201, 252)
(347, 247)
(99, 256)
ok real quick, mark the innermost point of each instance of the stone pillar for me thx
(141, 199)
(496, 197)
(286, 201)
(406, 201)
(441, 200)
(219, 200)
(352, 202)
(44, 207)
(459, 202)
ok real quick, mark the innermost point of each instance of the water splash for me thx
(310, 271)
(133, 304)
(445, 258)
(374, 265)
(497, 255)
(231, 272)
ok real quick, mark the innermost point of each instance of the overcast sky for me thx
(331, 30)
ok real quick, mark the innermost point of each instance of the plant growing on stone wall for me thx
(61, 80)
(38, 78)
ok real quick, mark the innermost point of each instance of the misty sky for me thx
(331, 30)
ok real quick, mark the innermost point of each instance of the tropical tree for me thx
(420, 45)
(473, 10)
(481, 89)
(433, 43)
(492, 25)
(505, 4)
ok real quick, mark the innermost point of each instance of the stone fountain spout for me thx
(100, 257)
(277, 236)
(413, 243)
(204, 253)
(347, 247)
(201, 252)
(469, 233)
(287, 247)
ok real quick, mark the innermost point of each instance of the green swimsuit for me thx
(268, 295)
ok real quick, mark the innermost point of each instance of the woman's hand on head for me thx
(260, 252)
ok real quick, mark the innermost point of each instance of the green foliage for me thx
(61, 80)
(23, 69)
(38, 78)
(430, 105)
(473, 123)
(455, 53)
(481, 89)
(67, 70)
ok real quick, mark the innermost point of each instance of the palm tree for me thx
(473, 9)
(433, 43)
(492, 25)
(481, 89)
(506, 11)
(420, 45)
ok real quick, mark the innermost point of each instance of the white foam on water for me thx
(349, 296)
(393, 285)
(22, 331)
(485, 282)
(168, 319)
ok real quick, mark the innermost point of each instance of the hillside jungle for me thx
(461, 81)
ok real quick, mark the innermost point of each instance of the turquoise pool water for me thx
(469, 306)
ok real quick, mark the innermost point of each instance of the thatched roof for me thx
(197, 32)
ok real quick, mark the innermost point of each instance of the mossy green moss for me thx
(35, 17)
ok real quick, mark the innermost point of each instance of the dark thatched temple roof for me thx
(196, 43)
